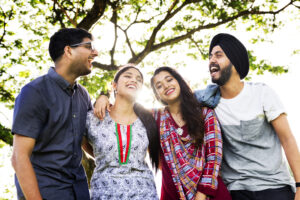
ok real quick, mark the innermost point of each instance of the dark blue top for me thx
(49, 110)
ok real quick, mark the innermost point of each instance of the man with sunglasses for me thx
(49, 121)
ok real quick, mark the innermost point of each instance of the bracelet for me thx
(297, 184)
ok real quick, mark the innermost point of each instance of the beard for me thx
(79, 70)
(225, 75)
(84, 72)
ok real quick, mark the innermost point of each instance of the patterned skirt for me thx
(123, 188)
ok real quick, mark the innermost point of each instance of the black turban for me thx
(234, 50)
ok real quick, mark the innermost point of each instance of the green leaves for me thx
(149, 33)
(99, 81)
(5, 135)
(260, 66)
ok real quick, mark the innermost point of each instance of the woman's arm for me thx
(101, 106)
(213, 154)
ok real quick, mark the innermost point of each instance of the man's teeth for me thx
(214, 69)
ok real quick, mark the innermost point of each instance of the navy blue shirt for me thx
(52, 112)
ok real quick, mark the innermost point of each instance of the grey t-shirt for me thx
(252, 151)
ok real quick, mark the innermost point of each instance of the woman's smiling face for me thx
(166, 87)
(129, 83)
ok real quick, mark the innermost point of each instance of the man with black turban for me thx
(254, 126)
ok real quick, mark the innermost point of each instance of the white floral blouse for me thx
(112, 180)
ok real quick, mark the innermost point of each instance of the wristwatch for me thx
(297, 184)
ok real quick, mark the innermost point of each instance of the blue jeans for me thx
(283, 193)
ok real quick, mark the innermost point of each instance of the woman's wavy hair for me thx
(148, 121)
(191, 109)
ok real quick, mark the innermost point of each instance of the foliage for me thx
(135, 31)
(97, 82)
(21, 45)
(5, 135)
(128, 30)
(261, 66)
(7, 189)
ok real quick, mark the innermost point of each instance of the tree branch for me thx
(164, 21)
(131, 24)
(93, 15)
(172, 6)
(135, 20)
(3, 34)
(64, 11)
(212, 25)
(104, 66)
(274, 12)
(57, 16)
(127, 41)
(114, 21)
(126, 34)
(145, 21)
(150, 47)
(10, 14)
(196, 44)
(295, 5)
(76, 14)
(129, 44)
(137, 59)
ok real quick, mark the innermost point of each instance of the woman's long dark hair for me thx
(190, 108)
(148, 121)
(152, 132)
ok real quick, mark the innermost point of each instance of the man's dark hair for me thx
(190, 108)
(65, 37)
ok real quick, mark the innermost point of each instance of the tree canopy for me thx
(128, 31)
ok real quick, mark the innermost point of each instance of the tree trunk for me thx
(89, 165)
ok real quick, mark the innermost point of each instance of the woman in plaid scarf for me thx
(191, 141)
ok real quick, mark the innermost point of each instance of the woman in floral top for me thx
(191, 141)
(120, 142)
